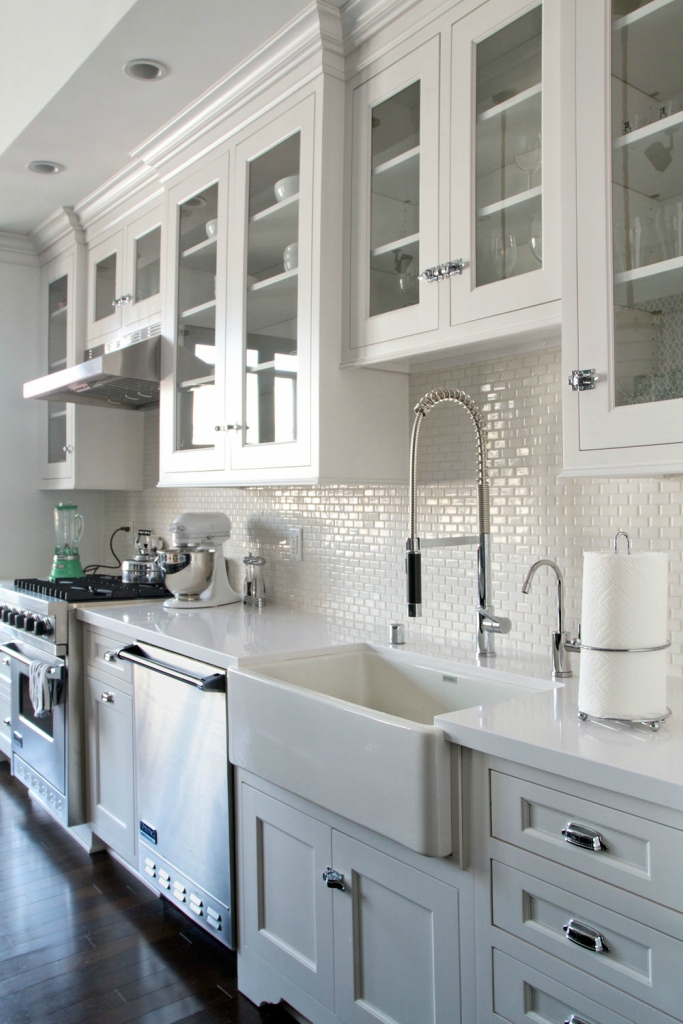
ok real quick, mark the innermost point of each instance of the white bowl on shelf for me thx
(286, 187)
(211, 228)
(290, 256)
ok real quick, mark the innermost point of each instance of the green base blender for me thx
(68, 531)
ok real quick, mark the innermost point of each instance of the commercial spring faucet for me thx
(487, 623)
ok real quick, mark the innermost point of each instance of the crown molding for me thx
(61, 226)
(124, 186)
(314, 35)
(17, 249)
(363, 19)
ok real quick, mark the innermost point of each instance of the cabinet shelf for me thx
(654, 281)
(59, 314)
(508, 105)
(654, 32)
(635, 169)
(269, 232)
(400, 243)
(203, 315)
(201, 256)
(57, 364)
(398, 178)
(271, 302)
(196, 382)
(506, 204)
(57, 415)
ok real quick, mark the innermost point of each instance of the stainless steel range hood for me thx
(126, 375)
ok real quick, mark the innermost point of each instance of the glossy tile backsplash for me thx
(354, 536)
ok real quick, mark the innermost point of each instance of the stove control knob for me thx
(12, 617)
(21, 620)
(40, 627)
(5, 614)
(48, 627)
(30, 623)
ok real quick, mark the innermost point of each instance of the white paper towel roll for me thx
(624, 605)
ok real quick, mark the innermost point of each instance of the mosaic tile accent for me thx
(354, 537)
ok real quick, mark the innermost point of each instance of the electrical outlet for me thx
(295, 535)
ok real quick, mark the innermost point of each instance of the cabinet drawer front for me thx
(641, 856)
(637, 959)
(5, 712)
(97, 645)
(522, 995)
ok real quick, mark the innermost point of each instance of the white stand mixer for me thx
(194, 569)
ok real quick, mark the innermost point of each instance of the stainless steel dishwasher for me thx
(183, 784)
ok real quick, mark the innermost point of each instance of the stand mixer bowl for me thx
(187, 571)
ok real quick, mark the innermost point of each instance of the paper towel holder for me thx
(654, 723)
(622, 533)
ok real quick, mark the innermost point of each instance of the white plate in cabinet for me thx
(633, 957)
(623, 849)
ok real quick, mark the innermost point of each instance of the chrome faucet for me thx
(487, 623)
(561, 667)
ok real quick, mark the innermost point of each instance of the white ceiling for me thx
(97, 115)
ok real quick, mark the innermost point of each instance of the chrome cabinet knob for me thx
(122, 300)
(229, 426)
(573, 1019)
(107, 697)
(442, 271)
(7, 721)
(68, 448)
(6, 661)
(334, 879)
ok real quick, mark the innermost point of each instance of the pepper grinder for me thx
(254, 584)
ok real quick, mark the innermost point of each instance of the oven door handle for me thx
(216, 682)
(54, 671)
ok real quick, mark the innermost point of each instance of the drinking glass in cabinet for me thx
(647, 200)
(147, 265)
(509, 154)
(196, 328)
(395, 202)
(105, 286)
(270, 363)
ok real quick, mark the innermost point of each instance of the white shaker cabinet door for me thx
(396, 940)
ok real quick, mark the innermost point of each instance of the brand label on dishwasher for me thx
(149, 833)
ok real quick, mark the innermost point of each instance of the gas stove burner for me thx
(92, 588)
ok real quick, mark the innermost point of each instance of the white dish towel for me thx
(40, 688)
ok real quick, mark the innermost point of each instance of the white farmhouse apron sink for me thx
(351, 728)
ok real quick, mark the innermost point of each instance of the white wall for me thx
(354, 537)
(26, 530)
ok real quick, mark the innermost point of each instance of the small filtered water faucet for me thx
(488, 624)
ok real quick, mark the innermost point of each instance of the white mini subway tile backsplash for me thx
(354, 537)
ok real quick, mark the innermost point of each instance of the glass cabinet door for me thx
(105, 286)
(274, 170)
(142, 272)
(195, 377)
(57, 313)
(647, 201)
(395, 198)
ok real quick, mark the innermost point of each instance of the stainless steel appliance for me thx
(194, 570)
(183, 783)
(38, 624)
(144, 568)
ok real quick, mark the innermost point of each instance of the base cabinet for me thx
(110, 762)
(340, 930)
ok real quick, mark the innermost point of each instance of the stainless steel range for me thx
(38, 627)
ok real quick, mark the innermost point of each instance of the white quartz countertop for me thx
(541, 730)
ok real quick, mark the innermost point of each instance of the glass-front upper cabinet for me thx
(57, 283)
(269, 308)
(192, 394)
(634, 226)
(125, 276)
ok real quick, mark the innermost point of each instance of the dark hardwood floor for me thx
(81, 939)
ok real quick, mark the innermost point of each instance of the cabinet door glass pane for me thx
(56, 328)
(647, 200)
(508, 171)
(147, 264)
(196, 327)
(395, 202)
(105, 286)
(271, 358)
(56, 432)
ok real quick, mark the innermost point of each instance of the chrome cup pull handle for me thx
(585, 936)
(107, 697)
(584, 836)
(573, 1019)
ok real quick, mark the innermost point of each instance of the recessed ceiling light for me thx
(45, 167)
(145, 70)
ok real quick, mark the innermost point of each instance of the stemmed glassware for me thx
(528, 154)
(503, 253)
(536, 237)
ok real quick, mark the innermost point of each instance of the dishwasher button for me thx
(150, 868)
(214, 919)
(179, 891)
(164, 878)
(196, 905)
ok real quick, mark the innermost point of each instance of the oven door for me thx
(40, 742)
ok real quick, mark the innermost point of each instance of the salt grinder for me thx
(254, 585)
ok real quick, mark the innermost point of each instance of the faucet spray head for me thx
(413, 577)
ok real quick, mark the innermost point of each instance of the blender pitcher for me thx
(68, 531)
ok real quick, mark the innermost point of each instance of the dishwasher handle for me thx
(214, 683)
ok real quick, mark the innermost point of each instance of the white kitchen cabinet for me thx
(455, 167)
(5, 712)
(252, 390)
(124, 276)
(110, 770)
(623, 227)
(82, 446)
(577, 908)
(381, 946)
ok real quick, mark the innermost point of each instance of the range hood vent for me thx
(125, 375)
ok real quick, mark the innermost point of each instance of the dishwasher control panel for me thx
(208, 912)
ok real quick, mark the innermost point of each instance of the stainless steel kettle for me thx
(144, 568)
